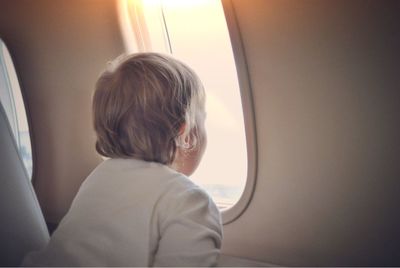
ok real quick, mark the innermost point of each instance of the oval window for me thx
(196, 32)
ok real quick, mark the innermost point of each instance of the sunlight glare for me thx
(175, 3)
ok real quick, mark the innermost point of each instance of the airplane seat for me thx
(23, 228)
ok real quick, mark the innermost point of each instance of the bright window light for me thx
(195, 32)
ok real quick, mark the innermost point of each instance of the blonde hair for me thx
(141, 103)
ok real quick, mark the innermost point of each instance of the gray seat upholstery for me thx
(22, 226)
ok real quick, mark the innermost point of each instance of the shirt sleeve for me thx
(191, 231)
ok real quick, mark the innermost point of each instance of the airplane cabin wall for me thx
(59, 49)
(325, 80)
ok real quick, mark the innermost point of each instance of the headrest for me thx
(22, 226)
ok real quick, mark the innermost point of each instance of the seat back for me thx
(22, 226)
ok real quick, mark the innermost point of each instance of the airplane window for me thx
(196, 32)
(11, 99)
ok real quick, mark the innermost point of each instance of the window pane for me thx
(11, 99)
(198, 35)
(196, 32)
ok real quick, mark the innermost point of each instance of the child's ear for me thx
(182, 129)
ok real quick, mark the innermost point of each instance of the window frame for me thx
(130, 21)
(246, 95)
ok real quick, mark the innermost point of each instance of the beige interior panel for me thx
(325, 80)
(59, 49)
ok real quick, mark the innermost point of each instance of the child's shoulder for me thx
(171, 188)
(147, 174)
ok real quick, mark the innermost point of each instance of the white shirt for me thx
(135, 213)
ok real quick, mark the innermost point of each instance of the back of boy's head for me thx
(140, 105)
